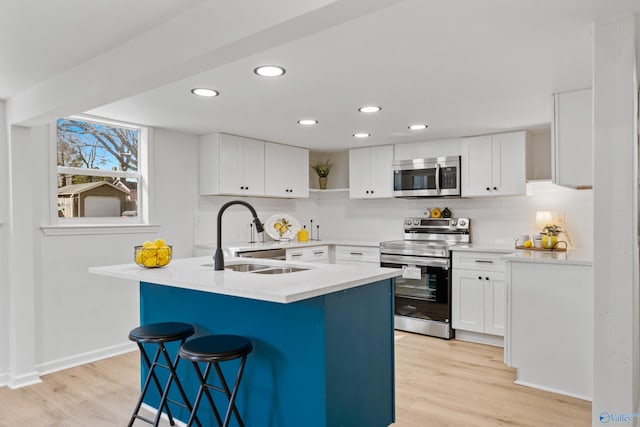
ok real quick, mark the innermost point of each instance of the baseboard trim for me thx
(84, 358)
(164, 417)
(4, 378)
(553, 390)
(494, 340)
(23, 380)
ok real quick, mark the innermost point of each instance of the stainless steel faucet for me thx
(218, 257)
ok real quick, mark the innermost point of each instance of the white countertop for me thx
(570, 257)
(235, 247)
(483, 247)
(198, 274)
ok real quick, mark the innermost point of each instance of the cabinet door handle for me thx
(484, 261)
(355, 253)
(488, 189)
(318, 252)
(242, 188)
(486, 278)
(495, 188)
(479, 277)
(367, 191)
(371, 191)
(292, 255)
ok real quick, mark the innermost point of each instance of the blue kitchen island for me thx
(323, 337)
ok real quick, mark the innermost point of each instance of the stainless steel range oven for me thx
(423, 292)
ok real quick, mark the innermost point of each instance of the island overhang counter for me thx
(323, 337)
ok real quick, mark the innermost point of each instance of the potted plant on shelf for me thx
(322, 169)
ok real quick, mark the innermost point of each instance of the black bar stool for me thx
(161, 333)
(212, 350)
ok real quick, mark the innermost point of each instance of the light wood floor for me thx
(438, 383)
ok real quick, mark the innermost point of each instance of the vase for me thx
(322, 180)
(548, 242)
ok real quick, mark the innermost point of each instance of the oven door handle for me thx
(417, 261)
(438, 178)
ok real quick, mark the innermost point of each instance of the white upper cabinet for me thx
(494, 165)
(371, 172)
(572, 139)
(231, 164)
(286, 171)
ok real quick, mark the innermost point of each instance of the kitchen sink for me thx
(240, 267)
(258, 268)
(280, 270)
(245, 267)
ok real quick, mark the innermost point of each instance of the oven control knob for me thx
(408, 221)
(462, 223)
(416, 221)
(454, 221)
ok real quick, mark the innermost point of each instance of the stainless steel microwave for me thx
(436, 177)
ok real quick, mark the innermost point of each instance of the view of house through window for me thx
(98, 173)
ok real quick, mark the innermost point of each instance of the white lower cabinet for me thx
(357, 255)
(309, 254)
(478, 294)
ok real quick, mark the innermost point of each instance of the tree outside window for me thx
(98, 173)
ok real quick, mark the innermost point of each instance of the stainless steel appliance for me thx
(279, 253)
(436, 177)
(423, 293)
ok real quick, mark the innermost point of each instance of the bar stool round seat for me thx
(159, 334)
(212, 350)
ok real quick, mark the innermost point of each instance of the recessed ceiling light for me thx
(362, 135)
(418, 127)
(369, 109)
(203, 91)
(307, 122)
(269, 71)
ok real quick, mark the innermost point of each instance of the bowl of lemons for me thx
(153, 254)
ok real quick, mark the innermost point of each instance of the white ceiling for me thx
(41, 38)
(463, 67)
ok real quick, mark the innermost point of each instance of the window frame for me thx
(101, 224)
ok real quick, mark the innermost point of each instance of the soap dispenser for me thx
(303, 235)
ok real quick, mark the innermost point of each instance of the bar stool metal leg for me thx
(172, 366)
(150, 376)
(231, 395)
(212, 350)
(159, 334)
(202, 378)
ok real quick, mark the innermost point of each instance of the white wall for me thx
(4, 215)
(236, 219)
(493, 219)
(615, 272)
(80, 316)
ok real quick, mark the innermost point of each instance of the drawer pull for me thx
(484, 261)
(356, 253)
(318, 252)
(296, 255)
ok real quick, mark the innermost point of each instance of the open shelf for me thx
(328, 190)
(329, 193)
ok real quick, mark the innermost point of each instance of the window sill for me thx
(93, 229)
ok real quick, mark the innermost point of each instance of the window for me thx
(100, 172)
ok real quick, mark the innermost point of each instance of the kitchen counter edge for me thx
(197, 274)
